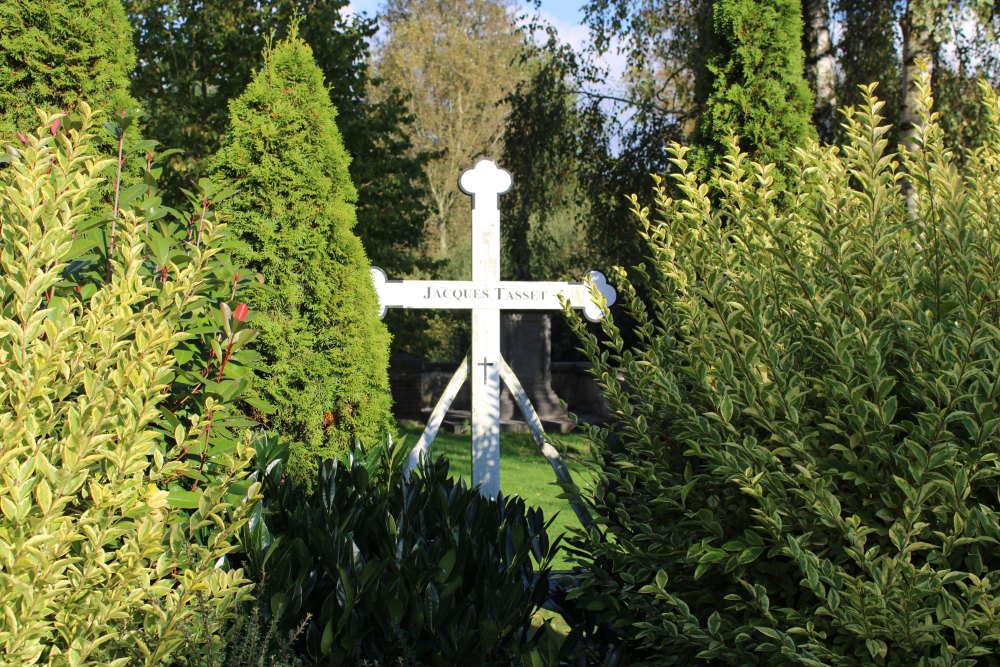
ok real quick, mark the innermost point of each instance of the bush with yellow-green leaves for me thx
(803, 460)
(97, 564)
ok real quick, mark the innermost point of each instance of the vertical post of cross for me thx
(485, 183)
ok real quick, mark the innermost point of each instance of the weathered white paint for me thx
(485, 182)
(485, 295)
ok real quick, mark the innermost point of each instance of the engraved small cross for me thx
(484, 364)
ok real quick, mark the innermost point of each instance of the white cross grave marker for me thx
(486, 295)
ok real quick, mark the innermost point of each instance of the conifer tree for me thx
(54, 54)
(754, 86)
(325, 352)
(197, 57)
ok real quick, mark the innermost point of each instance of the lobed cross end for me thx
(486, 179)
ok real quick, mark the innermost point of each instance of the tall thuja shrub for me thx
(753, 85)
(325, 350)
(803, 462)
(54, 54)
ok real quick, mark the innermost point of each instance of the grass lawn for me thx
(523, 470)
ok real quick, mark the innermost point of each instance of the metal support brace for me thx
(423, 446)
(548, 451)
(551, 454)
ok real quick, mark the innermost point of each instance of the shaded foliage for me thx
(867, 51)
(423, 571)
(196, 57)
(543, 211)
(565, 213)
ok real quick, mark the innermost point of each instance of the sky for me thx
(566, 12)
(565, 15)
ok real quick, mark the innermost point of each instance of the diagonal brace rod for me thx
(548, 451)
(423, 446)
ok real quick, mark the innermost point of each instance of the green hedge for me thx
(802, 466)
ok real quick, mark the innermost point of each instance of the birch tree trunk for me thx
(820, 64)
(918, 44)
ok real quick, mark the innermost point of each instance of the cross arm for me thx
(503, 295)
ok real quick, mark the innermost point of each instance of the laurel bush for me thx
(383, 570)
(802, 468)
(99, 563)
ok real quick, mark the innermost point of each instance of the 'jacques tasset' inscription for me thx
(505, 294)
(481, 294)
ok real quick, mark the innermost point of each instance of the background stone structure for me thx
(417, 384)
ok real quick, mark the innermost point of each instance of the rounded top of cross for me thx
(486, 178)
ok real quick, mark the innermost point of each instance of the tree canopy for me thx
(196, 57)
(455, 60)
